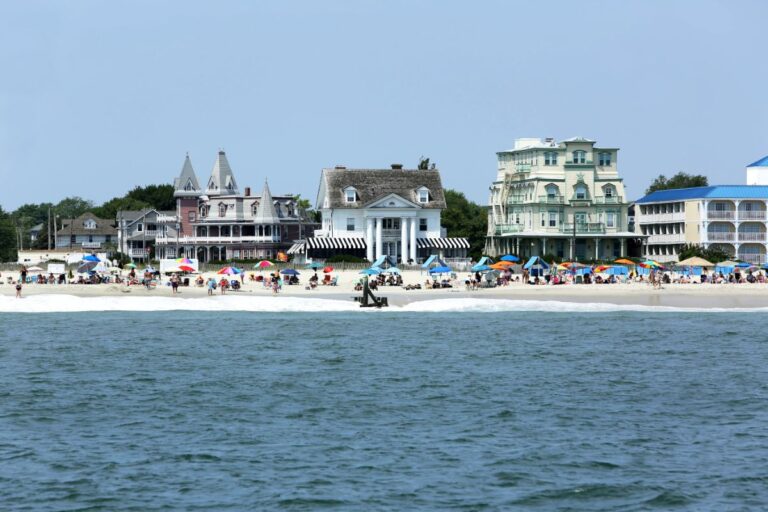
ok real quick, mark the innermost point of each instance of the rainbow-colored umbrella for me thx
(230, 271)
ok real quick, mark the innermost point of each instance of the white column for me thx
(404, 239)
(379, 244)
(597, 248)
(412, 244)
(369, 239)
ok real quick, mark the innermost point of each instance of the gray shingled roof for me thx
(266, 213)
(373, 184)
(103, 226)
(222, 180)
(187, 177)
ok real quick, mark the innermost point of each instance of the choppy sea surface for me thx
(462, 406)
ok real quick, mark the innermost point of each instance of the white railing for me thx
(216, 239)
(90, 245)
(752, 237)
(138, 253)
(669, 238)
(721, 214)
(721, 237)
(752, 215)
(753, 258)
(649, 218)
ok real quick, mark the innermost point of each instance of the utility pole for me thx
(49, 228)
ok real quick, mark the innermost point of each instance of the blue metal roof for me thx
(763, 162)
(715, 192)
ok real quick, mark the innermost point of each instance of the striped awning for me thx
(296, 248)
(442, 243)
(335, 243)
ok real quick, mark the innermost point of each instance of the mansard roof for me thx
(373, 184)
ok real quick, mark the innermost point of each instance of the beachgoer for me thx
(211, 285)
(23, 274)
(175, 283)
(18, 290)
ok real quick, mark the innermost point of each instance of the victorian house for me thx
(218, 222)
(382, 213)
(564, 199)
(86, 233)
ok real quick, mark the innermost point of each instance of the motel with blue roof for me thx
(733, 218)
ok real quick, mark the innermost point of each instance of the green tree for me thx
(71, 207)
(679, 180)
(8, 237)
(159, 197)
(711, 254)
(466, 219)
(305, 209)
(109, 209)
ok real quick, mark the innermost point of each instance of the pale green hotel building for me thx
(564, 199)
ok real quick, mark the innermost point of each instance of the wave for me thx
(57, 303)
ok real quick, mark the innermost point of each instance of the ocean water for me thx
(479, 405)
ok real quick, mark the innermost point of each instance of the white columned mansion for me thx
(375, 213)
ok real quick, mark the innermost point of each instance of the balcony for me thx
(724, 236)
(583, 227)
(516, 199)
(585, 199)
(138, 253)
(721, 214)
(586, 163)
(548, 199)
(225, 240)
(667, 238)
(752, 215)
(658, 218)
(506, 229)
(753, 258)
(522, 167)
(609, 200)
(752, 237)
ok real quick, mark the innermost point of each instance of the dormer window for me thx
(581, 191)
(254, 208)
(579, 157)
(188, 187)
(89, 224)
(423, 195)
(550, 158)
(350, 195)
(609, 191)
(212, 185)
(604, 158)
(203, 211)
(230, 186)
(222, 209)
(552, 191)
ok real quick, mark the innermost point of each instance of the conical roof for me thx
(222, 181)
(186, 183)
(265, 213)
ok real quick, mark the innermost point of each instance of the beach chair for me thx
(327, 279)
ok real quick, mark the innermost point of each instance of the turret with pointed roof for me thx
(266, 213)
(186, 184)
(222, 181)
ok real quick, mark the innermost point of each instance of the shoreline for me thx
(706, 296)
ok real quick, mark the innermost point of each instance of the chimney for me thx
(247, 191)
(339, 167)
(397, 167)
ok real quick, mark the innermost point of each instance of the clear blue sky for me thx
(98, 97)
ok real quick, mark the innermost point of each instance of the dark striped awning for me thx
(335, 243)
(296, 248)
(442, 243)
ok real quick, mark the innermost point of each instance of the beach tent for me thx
(440, 270)
(536, 261)
(433, 259)
(379, 261)
(371, 271)
(695, 261)
(485, 260)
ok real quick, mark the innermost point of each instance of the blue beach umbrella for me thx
(371, 271)
(481, 268)
(315, 265)
(743, 264)
(91, 257)
(440, 270)
(510, 257)
(289, 272)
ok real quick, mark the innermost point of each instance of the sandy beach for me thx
(641, 294)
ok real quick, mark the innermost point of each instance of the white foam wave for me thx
(57, 303)
(74, 304)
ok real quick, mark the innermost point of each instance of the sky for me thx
(99, 97)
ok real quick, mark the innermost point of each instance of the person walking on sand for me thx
(211, 285)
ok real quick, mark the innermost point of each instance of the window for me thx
(423, 195)
(552, 191)
(390, 223)
(254, 208)
(140, 227)
(552, 219)
(581, 192)
(222, 209)
(89, 224)
(72, 239)
(203, 211)
(579, 157)
(191, 216)
(350, 224)
(543, 219)
(151, 227)
(609, 191)
(108, 238)
(350, 195)
(550, 158)
(604, 158)
(422, 224)
(610, 220)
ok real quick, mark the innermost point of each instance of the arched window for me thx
(222, 209)
(254, 207)
(350, 195)
(609, 191)
(552, 191)
(579, 157)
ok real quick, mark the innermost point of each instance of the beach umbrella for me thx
(481, 268)
(34, 269)
(289, 272)
(695, 261)
(624, 261)
(602, 268)
(440, 270)
(264, 264)
(184, 261)
(743, 264)
(130, 265)
(510, 258)
(371, 271)
(186, 268)
(315, 265)
(91, 257)
(87, 266)
(229, 271)
(328, 269)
